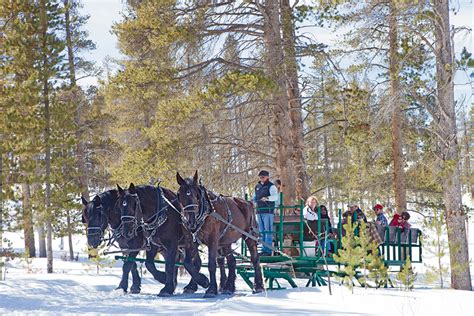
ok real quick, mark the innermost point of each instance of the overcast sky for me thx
(103, 13)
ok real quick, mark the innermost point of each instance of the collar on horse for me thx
(206, 207)
(151, 226)
(158, 219)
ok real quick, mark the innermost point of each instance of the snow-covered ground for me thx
(81, 292)
(75, 287)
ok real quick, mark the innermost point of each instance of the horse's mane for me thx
(107, 199)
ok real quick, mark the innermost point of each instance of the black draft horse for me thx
(102, 211)
(197, 205)
(156, 210)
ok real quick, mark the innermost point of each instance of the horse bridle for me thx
(99, 230)
(205, 208)
(132, 219)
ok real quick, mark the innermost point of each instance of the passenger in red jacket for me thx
(401, 220)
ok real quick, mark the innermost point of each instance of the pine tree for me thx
(49, 68)
(407, 276)
(449, 148)
(98, 260)
(350, 254)
(378, 271)
(437, 246)
(367, 255)
(19, 98)
(77, 43)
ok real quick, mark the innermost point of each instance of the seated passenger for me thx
(355, 212)
(401, 221)
(326, 234)
(325, 217)
(310, 211)
(381, 219)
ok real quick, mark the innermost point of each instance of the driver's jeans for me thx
(265, 226)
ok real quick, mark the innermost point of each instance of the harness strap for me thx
(171, 204)
(229, 219)
(246, 234)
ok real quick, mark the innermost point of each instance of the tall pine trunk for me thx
(467, 160)
(294, 99)
(47, 134)
(48, 213)
(69, 235)
(41, 240)
(399, 181)
(279, 110)
(39, 218)
(28, 231)
(449, 150)
(80, 147)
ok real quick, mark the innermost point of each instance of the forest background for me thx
(347, 100)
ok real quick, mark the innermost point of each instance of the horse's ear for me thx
(120, 189)
(131, 188)
(114, 193)
(180, 179)
(195, 178)
(84, 201)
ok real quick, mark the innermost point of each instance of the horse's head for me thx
(130, 209)
(95, 219)
(191, 197)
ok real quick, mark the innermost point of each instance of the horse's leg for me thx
(170, 269)
(150, 265)
(223, 276)
(126, 267)
(192, 285)
(258, 281)
(189, 265)
(231, 264)
(136, 280)
(212, 248)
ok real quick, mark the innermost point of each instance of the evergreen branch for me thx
(200, 66)
(323, 126)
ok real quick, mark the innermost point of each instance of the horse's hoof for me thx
(227, 292)
(164, 294)
(210, 295)
(258, 290)
(121, 288)
(135, 290)
(189, 291)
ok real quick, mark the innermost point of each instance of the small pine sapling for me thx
(363, 240)
(407, 276)
(27, 260)
(378, 271)
(437, 246)
(349, 255)
(98, 260)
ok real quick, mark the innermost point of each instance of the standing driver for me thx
(265, 196)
